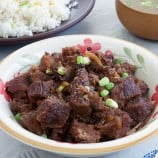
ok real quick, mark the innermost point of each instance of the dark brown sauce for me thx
(148, 6)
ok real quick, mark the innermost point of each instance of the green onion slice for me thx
(109, 86)
(60, 88)
(111, 103)
(83, 60)
(48, 71)
(17, 117)
(104, 81)
(61, 70)
(104, 93)
(124, 75)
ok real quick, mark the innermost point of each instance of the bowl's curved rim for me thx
(70, 148)
(136, 10)
(81, 151)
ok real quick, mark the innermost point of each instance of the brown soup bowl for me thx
(142, 24)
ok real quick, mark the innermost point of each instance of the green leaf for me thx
(118, 60)
(141, 60)
(128, 52)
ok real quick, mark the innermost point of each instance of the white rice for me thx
(25, 17)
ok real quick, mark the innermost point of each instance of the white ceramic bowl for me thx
(21, 59)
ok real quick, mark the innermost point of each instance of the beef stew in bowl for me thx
(80, 97)
(132, 64)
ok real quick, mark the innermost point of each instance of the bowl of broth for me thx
(139, 17)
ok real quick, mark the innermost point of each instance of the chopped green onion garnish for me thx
(44, 135)
(48, 71)
(124, 75)
(79, 59)
(61, 70)
(83, 60)
(17, 117)
(104, 81)
(60, 88)
(104, 93)
(109, 86)
(111, 103)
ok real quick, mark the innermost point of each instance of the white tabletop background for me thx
(103, 21)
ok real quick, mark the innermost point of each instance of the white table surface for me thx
(103, 21)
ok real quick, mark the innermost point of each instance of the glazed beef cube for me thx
(46, 62)
(139, 109)
(106, 60)
(80, 105)
(93, 79)
(83, 133)
(28, 121)
(125, 90)
(36, 74)
(17, 87)
(53, 113)
(69, 55)
(57, 134)
(125, 67)
(78, 100)
(20, 106)
(50, 61)
(39, 90)
(111, 73)
(69, 75)
(114, 123)
(142, 86)
(81, 80)
(96, 101)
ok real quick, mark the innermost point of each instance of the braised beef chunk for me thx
(142, 86)
(46, 62)
(29, 121)
(125, 90)
(80, 105)
(93, 79)
(69, 55)
(17, 87)
(106, 60)
(114, 123)
(80, 97)
(81, 80)
(125, 67)
(39, 90)
(20, 106)
(53, 113)
(57, 134)
(111, 73)
(96, 101)
(139, 109)
(36, 74)
(83, 133)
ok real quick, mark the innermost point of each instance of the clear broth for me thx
(149, 6)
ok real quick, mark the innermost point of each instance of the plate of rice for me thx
(31, 20)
